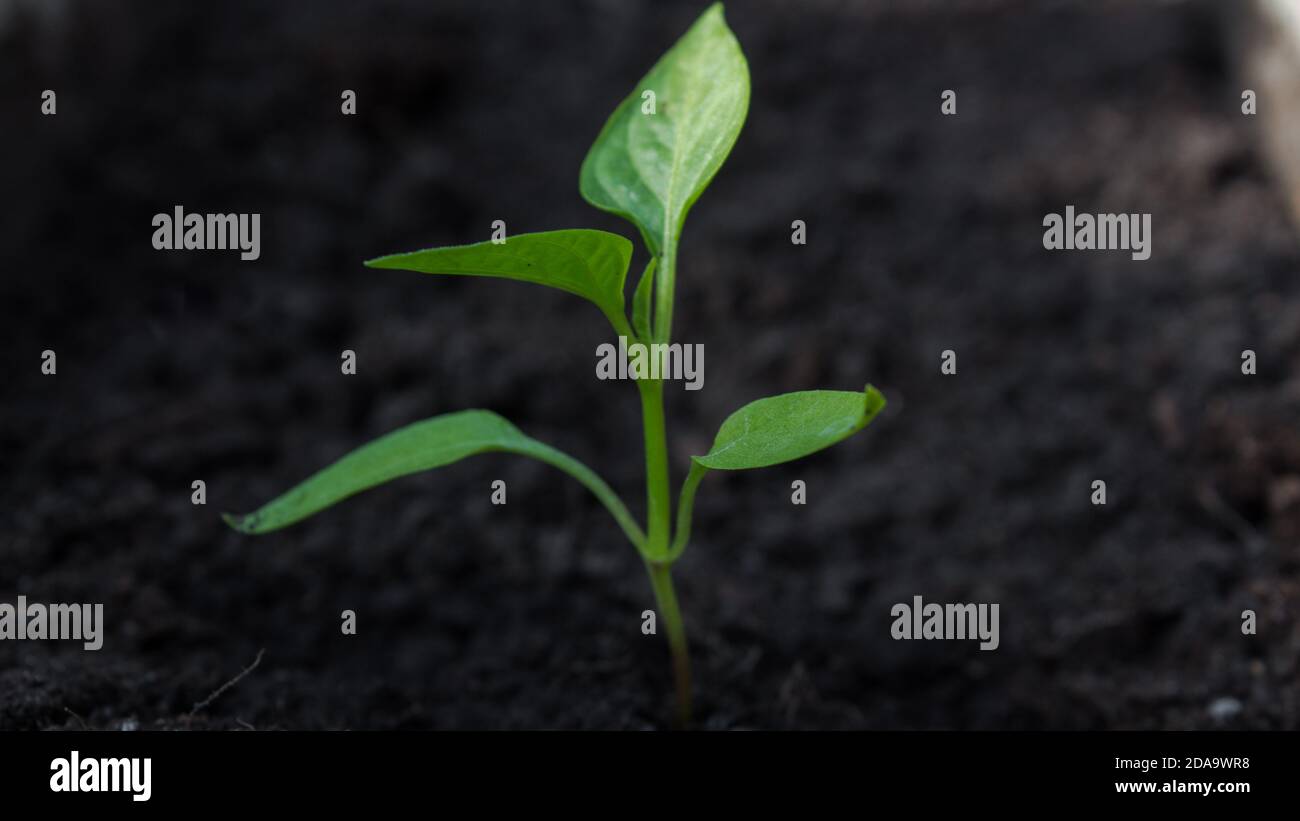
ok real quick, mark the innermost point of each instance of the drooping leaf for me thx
(422, 446)
(789, 426)
(591, 264)
(650, 168)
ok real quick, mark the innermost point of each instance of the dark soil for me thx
(924, 235)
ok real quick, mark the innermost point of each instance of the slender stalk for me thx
(658, 532)
(619, 323)
(665, 285)
(661, 579)
(659, 509)
(585, 475)
(658, 502)
(685, 508)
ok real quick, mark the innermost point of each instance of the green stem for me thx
(658, 502)
(658, 525)
(685, 509)
(585, 475)
(661, 579)
(619, 323)
(665, 284)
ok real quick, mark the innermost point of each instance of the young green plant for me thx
(650, 163)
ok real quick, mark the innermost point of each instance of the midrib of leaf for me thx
(674, 212)
(666, 286)
(409, 464)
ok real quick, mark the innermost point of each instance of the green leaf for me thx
(790, 426)
(422, 446)
(641, 302)
(771, 431)
(650, 168)
(591, 264)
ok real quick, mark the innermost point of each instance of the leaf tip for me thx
(242, 524)
(875, 403)
(716, 14)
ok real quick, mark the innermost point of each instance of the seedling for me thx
(649, 165)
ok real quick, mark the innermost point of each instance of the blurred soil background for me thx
(924, 234)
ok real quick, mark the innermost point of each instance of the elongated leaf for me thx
(422, 446)
(650, 168)
(641, 302)
(591, 264)
(790, 426)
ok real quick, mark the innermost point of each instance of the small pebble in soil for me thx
(1224, 708)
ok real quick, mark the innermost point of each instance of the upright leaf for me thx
(591, 264)
(789, 426)
(641, 310)
(422, 446)
(651, 167)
